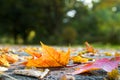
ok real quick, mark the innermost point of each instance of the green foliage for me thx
(31, 21)
(69, 35)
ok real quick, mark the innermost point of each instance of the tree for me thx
(20, 17)
(108, 20)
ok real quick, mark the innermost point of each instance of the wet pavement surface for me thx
(56, 73)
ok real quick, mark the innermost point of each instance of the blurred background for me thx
(59, 22)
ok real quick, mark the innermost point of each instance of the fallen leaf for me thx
(79, 59)
(114, 74)
(117, 54)
(49, 58)
(32, 52)
(89, 48)
(4, 50)
(11, 58)
(7, 58)
(3, 61)
(105, 64)
(108, 54)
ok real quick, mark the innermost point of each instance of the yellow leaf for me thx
(107, 54)
(11, 58)
(79, 59)
(7, 58)
(113, 75)
(3, 61)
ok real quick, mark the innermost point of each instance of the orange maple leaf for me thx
(89, 48)
(32, 52)
(49, 58)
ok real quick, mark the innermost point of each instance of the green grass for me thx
(100, 45)
(106, 46)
